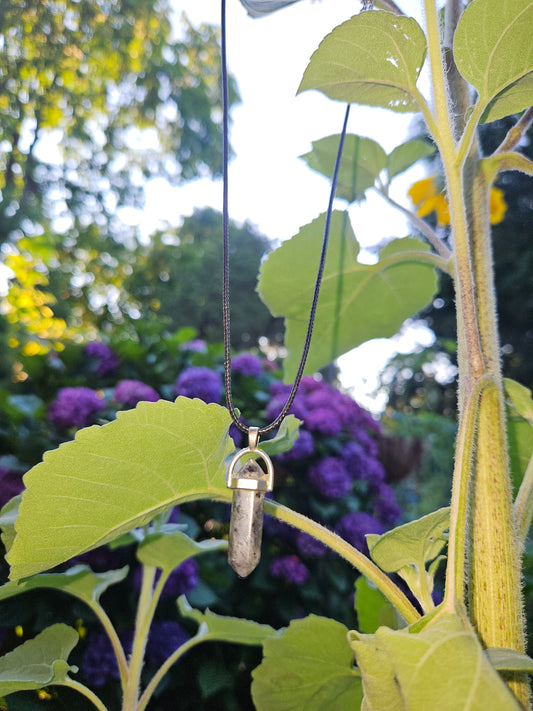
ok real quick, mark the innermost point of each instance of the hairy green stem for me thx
(523, 505)
(495, 595)
(118, 650)
(516, 132)
(82, 689)
(142, 625)
(421, 225)
(454, 595)
(363, 564)
(167, 664)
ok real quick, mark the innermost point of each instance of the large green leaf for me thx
(79, 581)
(362, 161)
(168, 550)
(407, 154)
(372, 607)
(226, 629)
(113, 478)
(441, 668)
(357, 301)
(521, 399)
(509, 660)
(374, 59)
(408, 548)
(494, 52)
(38, 662)
(310, 666)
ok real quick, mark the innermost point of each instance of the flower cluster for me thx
(130, 392)
(103, 359)
(200, 382)
(75, 407)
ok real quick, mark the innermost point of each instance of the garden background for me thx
(96, 318)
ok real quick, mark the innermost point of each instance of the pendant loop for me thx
(257, 481)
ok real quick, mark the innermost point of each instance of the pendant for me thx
(249, 484)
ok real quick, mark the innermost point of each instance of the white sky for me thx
(268, 183)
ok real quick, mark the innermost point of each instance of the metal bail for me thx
(250, 483)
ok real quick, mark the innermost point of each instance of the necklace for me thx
(250, 483)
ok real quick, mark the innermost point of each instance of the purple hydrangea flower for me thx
(290, 568)
(360, 465)
(330, 477)
(180, 582)
(165, 637)
(386, 508)
(279, 529)
(367, 441)
(200, 382)
(303, 447)
(323, 420)
(354, 526)
(105, 360)
(247, 364)
(75, 407)
(307, 545)
(130, 392)
(99, 663)
(280, 395)
(195, 346)
(10, 484)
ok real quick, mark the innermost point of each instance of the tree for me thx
(179, 277)
(95, 99)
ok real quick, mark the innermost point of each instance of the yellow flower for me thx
(427, 198)
(498, 206)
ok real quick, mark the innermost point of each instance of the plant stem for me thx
(454, 595)
(495, 597)
(142, 625)
(160, 673)
(420, 224)
(114, 639)
(363, 564)
(82, 689)
(516, 133)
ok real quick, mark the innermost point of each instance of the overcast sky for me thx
(269, 184)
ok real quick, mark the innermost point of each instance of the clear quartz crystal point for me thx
(246, 527)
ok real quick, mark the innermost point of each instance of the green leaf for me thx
(357, 301)
(79, 581)
(519, 428)
(520, 398)
(168, 550)
(226, 629)
(407, 154)
(372, 608)
(38, 662)
(440, 668)
(119, 476)
(406, 549)
(374, 59)
(285, 438)
(362, 161)
(509, 660)
(8, 516)
(310, 666)
(493, 51)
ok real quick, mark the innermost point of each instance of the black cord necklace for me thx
(250, 483)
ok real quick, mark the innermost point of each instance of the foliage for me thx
(94, 101)
(437, 658)
(336, 451)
